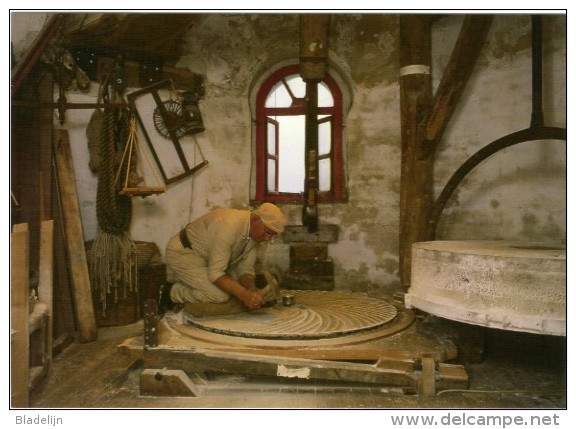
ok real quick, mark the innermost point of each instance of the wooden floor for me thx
(521, 371)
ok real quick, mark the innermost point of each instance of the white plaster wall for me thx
(520, 192)
(503, 198)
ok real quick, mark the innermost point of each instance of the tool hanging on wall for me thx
(128, 166)
(180, 113)
(171, 124)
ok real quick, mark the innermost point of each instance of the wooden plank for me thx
(19, 305)
(81, 289)
(349, 354)
(45, 285)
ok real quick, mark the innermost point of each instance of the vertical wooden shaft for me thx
(416, 179)
(310, 206)
(313, 54)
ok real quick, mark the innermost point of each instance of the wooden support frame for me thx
(399, 355)
(422, 375)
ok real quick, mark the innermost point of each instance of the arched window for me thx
(280, 138)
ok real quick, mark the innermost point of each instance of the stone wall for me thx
(519, 194)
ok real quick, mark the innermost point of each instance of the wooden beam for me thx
(78, 265)
(464, 56)
(19, 304)
(182, 78)
(386, 372)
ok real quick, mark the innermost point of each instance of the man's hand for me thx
(248, 281)
(252, 300)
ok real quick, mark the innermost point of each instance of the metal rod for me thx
(537, 119)
(67, 106)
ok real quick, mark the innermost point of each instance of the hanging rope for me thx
(113, 210)
(113, 264)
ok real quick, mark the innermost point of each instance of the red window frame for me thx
(337, 174)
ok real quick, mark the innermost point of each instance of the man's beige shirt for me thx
(221, 238)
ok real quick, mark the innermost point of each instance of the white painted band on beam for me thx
(414, 69)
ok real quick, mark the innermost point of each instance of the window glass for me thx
(271, 137)
(324, 138)
(325, 98)
(291, 154)
(297, 86)
(271, 175)
(285, 91)
(324, 176)
(278, 96)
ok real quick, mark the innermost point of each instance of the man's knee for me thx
(217, 296)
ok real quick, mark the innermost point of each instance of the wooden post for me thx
(81, 289)
(416, 179)
(424, 120)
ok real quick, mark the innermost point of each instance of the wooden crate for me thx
(124, 311)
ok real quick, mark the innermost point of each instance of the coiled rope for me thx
(114, 257)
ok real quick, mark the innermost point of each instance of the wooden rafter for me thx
(464, 56)
(24, 66)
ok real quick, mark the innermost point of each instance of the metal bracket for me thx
(151, 320)
(150, 71)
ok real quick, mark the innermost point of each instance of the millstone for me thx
(313, 315)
